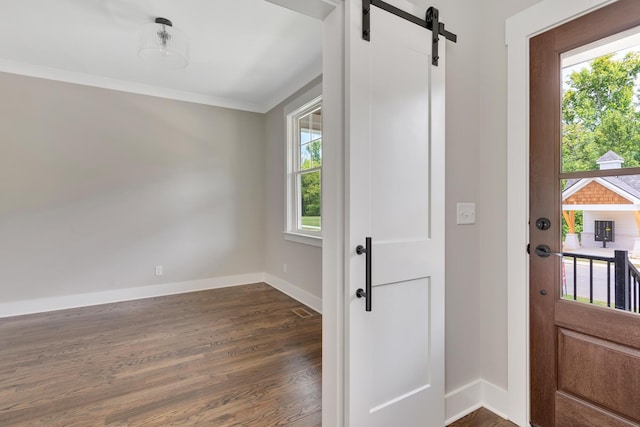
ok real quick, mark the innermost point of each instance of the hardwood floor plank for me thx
(232, 356)
(482, 418)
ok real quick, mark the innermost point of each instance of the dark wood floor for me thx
(236, 356)
(482, 418)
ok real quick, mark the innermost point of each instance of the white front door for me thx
(395, 195)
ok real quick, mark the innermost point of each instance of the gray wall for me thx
(476, 274)
(304, 262)
(97, 187)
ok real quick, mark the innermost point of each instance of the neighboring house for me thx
(614, 199)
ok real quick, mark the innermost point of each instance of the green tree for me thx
(600, 113)
(311, 194)
(310, 182)
(314, 154)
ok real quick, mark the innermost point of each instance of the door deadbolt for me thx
(543, 223)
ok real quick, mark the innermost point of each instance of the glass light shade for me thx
(164, 45)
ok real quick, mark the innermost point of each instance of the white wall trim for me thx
(294, 292)
(41, 305)
(304, 239)
(14, 67)
(295, 109)
(309, 74)
(318, 9)
(477, 394)
(519, 29)
(24, 69)
(334, 399)
(463, 401)
(495, 399)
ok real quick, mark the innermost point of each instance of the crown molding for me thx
(317, 9)
(30, 70)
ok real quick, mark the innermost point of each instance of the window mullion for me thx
(314, 169)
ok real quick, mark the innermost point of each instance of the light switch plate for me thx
(466, 213)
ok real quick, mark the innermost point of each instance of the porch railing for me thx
(625, 280)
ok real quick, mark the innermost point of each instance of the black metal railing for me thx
(634, 279)
(623, 292)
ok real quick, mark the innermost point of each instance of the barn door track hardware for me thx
(431, 22)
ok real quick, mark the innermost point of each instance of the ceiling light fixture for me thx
(164, 45)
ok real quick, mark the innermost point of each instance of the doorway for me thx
(581, 354)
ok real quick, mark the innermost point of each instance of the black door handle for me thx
(366, 292)
(545, 251)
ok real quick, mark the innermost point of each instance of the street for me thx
(599, 279)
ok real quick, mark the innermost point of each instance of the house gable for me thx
(595, 193)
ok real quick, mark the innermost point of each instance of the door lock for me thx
(543, 224)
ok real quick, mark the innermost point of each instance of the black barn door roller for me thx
(431, 22)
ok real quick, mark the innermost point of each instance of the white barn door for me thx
(395, 195)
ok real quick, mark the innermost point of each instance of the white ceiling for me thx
(244, 54)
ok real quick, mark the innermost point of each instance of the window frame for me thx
(302, 106)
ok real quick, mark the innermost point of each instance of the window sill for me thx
(305, 239)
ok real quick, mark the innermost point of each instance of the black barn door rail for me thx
(431, 22)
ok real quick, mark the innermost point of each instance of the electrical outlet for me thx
(158, 270)
(284, 268)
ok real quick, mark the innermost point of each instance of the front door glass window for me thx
(600, 199)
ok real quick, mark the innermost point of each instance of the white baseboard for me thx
(496, 399)
(463, 401)
(41, 305)
(294, 292)
(475, 395)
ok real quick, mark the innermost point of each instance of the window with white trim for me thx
(304, 191)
